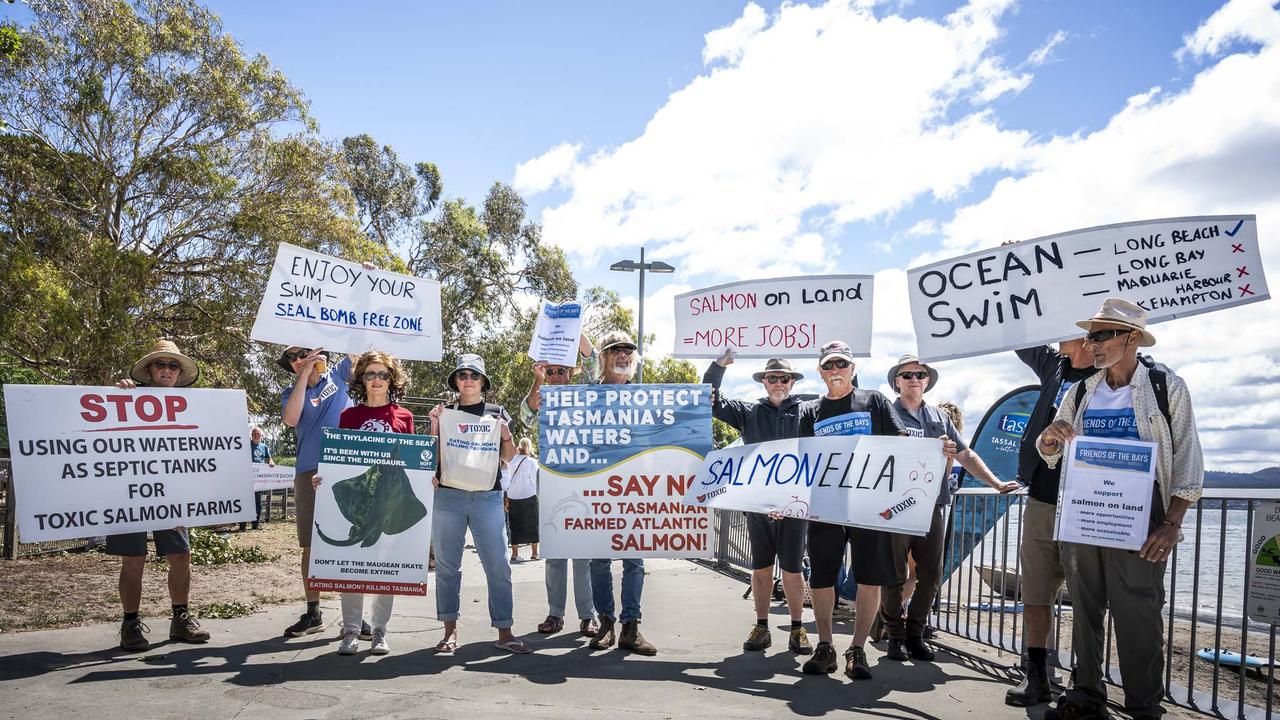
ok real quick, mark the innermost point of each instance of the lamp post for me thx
(631, 266)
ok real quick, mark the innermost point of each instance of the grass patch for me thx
(225, 610)
(210, 548)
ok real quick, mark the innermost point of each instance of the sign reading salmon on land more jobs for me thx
(782, 317)
(1033, 292)
(314, 300)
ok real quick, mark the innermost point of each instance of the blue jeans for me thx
(557, 572)
(632, 587)
(456, 510)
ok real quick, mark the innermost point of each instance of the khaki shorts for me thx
(1042, 570)
(304, 506)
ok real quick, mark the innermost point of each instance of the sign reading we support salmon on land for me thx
(782, 317)
(91, 461)
(1033, 292)
(314, 300)
(868, 481)
(555, 338)
(616, 462)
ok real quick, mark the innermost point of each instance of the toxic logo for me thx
(1014, 424)
(464, 428)
(907, 502)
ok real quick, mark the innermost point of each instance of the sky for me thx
(740, 140)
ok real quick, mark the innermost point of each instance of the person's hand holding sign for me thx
(1056, 436)
(948, 448)
(726, 357)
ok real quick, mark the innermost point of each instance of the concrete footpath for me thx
(695, 615)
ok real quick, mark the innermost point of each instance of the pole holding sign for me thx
(1033, 292)
(782, 317)
(555, 337)
(1106, 492)
(315, 300)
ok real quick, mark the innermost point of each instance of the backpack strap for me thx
(1160, 384)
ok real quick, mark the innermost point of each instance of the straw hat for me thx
(166, 349)
(1119, 311)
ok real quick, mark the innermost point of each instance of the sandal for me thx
(447, 646)
(551, 625)
(589, 627)
(514, 645)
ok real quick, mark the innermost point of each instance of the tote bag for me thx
(469, 450)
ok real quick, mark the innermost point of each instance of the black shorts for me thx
(874, 560)
(168, 542)
(781, 539)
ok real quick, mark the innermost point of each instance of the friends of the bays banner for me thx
(1033, 292)
(780, 317)
(616, 462)
(868, 481)
(373, 513)
(90, 461)
(314, 300)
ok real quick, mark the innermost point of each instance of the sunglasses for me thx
(558, 371)
(835, 364)
(377, 375)
(777, 379)
(914, 375)
(166, 365)
(468, 375)
(622, 350)
(296, 355)
(1101, 336)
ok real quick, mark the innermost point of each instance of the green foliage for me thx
(225, 610)
(10, 42)
(211, 548)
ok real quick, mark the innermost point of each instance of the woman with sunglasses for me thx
(480, 511)
(380, 381)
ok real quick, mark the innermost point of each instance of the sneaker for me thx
(758, 639)
(350, 643)
(185, 628)
(132, 637)
(823, 661)
(306, 625)
(855, 663)
(919, 650)
(799, 642)
(1068, 710)
(896, 650)
(366, 632)
(380, 646)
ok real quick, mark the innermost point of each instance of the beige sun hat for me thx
(907, 360)
(1119, 311)
(166, 349)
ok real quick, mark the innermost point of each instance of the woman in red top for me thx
(377, 382)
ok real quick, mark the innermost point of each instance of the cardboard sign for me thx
(616, 461)
(267, 478)
(373, 513)
(555, 338)
(471, 446)
(869, 481)
(782, 317)
(315, 300)
(1034, 292)
(1263, 603)
(1106, 492)
(104, 461)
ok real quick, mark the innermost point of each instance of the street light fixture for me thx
(642, 266)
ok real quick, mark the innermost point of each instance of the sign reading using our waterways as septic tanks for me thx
(616, 461)
(1033, 292)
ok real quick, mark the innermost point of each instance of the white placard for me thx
(868, 481)
(1264, 564)
(1033, 292)
(1106, 493)
(91, 461)
(267, 478)
(782, 317)
(555, 337)
(470, 446)
(315, 300)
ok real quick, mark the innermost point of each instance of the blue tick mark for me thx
(1232, 232)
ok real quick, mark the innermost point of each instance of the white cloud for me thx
(1248, 20)
(1044, 53)
(541, 173)
(728, 43)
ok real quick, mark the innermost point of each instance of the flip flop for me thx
(446, 646)
(514, 645)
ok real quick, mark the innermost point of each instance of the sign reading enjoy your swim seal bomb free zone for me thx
(314, 300)
(781, 317)
(1033, 292)
(373, 513)
(616, 462)
(91, 461)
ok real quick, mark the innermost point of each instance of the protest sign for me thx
(1033, 292)
(782, 317)
(373, 513)
(616, 460)
(93, 461)
(267, 478)
(555, 337)
(869, 481)
(314, 300)
(1106, 492)
(1264, 564)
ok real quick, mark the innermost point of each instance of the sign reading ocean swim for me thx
(1033, 292)
(782, 317)
(315, 300)
(91, 461)
(867, 481)
(616, 463)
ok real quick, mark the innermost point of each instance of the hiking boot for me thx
(896, 650)
(350, 643)
(918, 650)
(380, 645)
(1033, 690)
(855, 663)
(799, 642)
(605, 636)
(759, 639)
(1068, 710)
(306, 625)
(185, 628)
(632, 640)
(132, 637)
(823, 661)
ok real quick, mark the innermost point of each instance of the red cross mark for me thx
(1245, 290)
(1237, 247)
(1241, 270)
